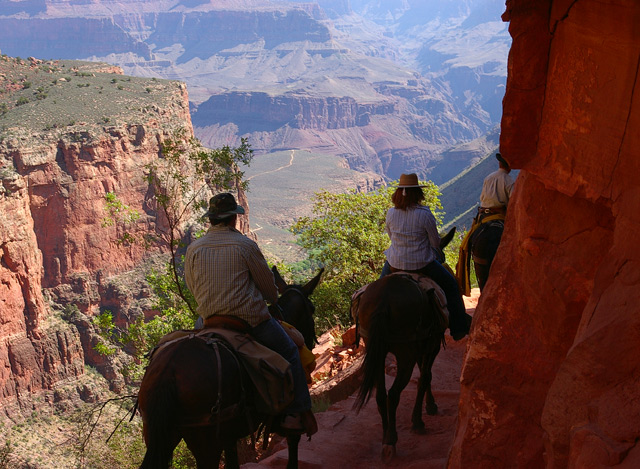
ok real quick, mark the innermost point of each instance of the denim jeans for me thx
(271, 334)
(386, 269)
(457, 311)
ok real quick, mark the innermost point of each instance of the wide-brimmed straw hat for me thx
(223, 205)
(409, 180)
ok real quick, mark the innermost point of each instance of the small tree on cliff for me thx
(182, 179)
(346, 234)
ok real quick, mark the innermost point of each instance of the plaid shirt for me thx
(228, 275)
(412, 231)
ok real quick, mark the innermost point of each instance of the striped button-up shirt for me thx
(413, 232)
(228, 275)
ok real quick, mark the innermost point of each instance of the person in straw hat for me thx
(414, 241)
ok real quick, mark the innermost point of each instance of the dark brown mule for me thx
(484, 245)
(396, 316)
(194, 390)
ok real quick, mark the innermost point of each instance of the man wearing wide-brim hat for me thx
(414, 247)
(494, 198)
(229, 276)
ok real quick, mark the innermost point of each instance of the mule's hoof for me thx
(419, 429)
(432, 409)
(388, 453)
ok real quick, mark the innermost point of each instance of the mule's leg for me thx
(431, 406)
(292, 445)
(405, 368)
(159, 453)
(231, 460)
(381, 402)
(482, 274)
(206, 450)
(417, 424)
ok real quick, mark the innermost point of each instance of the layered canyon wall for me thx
(54, 245)
(552, 377)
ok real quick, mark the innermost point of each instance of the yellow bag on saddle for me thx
(307, 357)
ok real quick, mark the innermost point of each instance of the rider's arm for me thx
(261, 274)
(432, 230)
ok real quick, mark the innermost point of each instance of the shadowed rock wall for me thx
(552, 378)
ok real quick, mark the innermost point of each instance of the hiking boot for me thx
(292, 422)
(303, 422)
(459, 335)
(309, 423)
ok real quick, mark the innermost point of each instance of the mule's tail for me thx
(375, 354)
(161, 419)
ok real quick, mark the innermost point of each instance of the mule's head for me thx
(297, 308)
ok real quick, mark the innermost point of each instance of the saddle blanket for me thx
(424, 282)
(268, 371)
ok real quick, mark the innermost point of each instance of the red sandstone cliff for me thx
(52, 188)
(551, 378)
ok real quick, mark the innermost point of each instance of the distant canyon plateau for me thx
(387, 87)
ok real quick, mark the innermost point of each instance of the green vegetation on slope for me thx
(346, 234)
(461, 195)
(39, 97)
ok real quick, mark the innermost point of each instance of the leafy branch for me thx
(181, 179)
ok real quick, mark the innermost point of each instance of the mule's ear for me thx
(280, 283)
(313, 283)
(446, 239)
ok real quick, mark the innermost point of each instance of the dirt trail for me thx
(291, 157)
(347, 439)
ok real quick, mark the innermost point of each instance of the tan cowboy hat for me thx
(409, 180)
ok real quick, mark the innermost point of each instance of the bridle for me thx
(308, 306)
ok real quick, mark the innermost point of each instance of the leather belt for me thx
(492, 210)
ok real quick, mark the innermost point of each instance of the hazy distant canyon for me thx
(388, 86)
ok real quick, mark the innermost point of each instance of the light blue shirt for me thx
(413, 232)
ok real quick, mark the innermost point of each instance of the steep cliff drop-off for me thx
(71, 132)
(552, 377)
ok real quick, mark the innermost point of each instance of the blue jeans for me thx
(386, 269)
(457, 311)
(271, 334)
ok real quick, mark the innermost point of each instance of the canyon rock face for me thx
(551, 378)
(54, 244)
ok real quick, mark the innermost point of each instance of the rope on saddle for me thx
(217, 413)
(215, 410)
